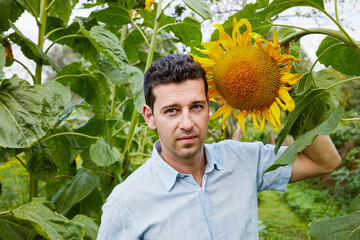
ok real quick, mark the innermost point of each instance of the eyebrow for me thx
(178, 105)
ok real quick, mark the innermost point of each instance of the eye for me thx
(170, 111)
(197, 107)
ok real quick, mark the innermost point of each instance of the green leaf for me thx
(75, 190)
(113, 74)
(355, 204)
(278, 6)
(344, 227)
(201, 7)
(30, 49)
(49, 224)
(250, 13)
(107, 43)
(133, 44)
(64, 150)
(20, 111)
(289, 155)
(62, 9)
(295, 47)
(188, 31)
(113, 15)
(301, 104)
(342, 58)
(39, 162)
(136, 80)
(79, 44)
(9, 10)
(321, 107)
(90, 227)
(94, 88)
(55, 96)
(101, 153)
(13, 229)
(35, 7)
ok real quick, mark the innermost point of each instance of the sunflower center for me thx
(247, 77)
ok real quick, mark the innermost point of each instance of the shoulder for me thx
(139, 178)
(234, 147)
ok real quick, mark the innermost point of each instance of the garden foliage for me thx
(74, 164)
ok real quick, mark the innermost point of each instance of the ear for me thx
(148, 116)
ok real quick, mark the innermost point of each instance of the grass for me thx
(277, 220)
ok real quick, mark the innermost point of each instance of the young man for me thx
(191, 190)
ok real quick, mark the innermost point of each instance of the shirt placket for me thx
(205, 203)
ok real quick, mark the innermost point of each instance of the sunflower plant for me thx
(250, 76)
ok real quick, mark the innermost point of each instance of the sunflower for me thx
(248, 75)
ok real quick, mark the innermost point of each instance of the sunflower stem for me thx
(341, 82)
(333, 33)
(350, 119)
(322, 54)
(336, 11)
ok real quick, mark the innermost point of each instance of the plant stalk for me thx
(37, 81)
(135, 116)
(41, 38)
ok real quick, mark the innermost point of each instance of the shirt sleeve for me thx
(273, 180)
(117, 223)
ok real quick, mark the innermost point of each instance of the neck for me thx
(194, 166)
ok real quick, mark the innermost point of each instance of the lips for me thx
(187, 139)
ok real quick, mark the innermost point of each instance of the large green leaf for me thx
(188, 31)
(250, 13)
(289, 155)
(75, 190)
(94, 88)
(342, 58)
(113, 74)
(9, 10)
(62, 9)
(30, 49)
(13, 229)
(345, 227)
(20, 110)
(49, 224)
(101, 153)
(278, 6)
(302, 103)
(321, 107)
(136, 80)
(79, 44)
(64, 150)
(201, 7)
(107, 43)
(355, 204)
(113, 15)
(55, 96)
(90, 227)
(39, 162)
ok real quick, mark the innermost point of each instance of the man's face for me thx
(180, 115)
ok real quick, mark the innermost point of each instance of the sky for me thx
(350, 21)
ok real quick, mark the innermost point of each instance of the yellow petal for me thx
(275, 37)
(206, 63)
(240, 116)
(220, 111)
(214, 50)
(285, 97)
(225, 39)
(291, 78)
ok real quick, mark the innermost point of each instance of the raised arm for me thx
(321, 157)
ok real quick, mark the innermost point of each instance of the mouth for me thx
(187, 139)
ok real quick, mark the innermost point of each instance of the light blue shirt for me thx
(158, 203)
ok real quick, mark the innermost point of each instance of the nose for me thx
(187, 122)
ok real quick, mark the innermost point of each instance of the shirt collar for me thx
(168, 175)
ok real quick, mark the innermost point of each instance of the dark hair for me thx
(173, 68)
